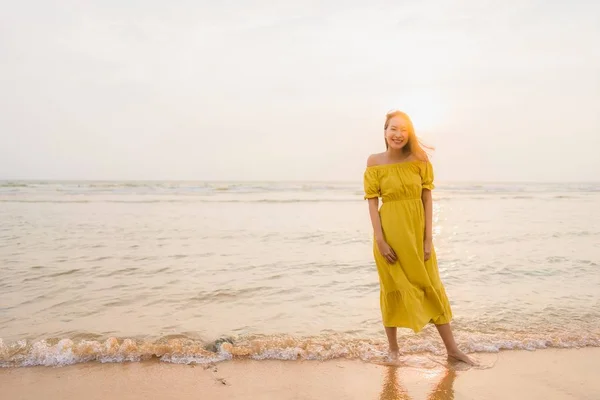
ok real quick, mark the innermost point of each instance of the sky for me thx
(274, 90)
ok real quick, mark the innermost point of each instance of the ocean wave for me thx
(183, 200)
(241, 187)
(517, 189)
(185, 350)
(274, 197)
(13, 185)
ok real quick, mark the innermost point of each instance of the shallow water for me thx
(118, 271)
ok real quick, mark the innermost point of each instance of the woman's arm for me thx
(384, 249)
(375, 220)
(374, 206)
(428, 205)
(428, 234)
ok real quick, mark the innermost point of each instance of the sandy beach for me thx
(541, 374)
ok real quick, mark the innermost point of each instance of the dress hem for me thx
(415, 309)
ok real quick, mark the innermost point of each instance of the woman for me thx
(412, 294)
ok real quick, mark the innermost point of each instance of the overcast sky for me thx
(262, 90)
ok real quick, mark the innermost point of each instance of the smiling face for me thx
(397, 132)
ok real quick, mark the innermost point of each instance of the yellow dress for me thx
(411, 292)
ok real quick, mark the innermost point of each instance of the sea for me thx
(204, 272)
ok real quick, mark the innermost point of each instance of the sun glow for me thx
(426, 110)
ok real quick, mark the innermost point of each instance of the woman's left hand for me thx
(427, 245)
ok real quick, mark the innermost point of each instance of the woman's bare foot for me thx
(458, 355)
(393, 354)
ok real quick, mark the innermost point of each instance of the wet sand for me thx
(543, 374)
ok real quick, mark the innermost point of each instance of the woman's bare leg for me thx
(451, 348)
(391, 333)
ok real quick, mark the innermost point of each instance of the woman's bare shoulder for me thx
(376, 159)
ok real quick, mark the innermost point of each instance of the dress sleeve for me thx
(371, 184)
(427, 176)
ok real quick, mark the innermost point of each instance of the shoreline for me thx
(540, 374)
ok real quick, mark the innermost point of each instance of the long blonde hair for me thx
(414, 145)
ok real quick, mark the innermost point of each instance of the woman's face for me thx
(396, 133)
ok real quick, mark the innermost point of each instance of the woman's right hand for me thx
(386, 251)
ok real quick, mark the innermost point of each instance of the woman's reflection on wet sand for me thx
(393, 390)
